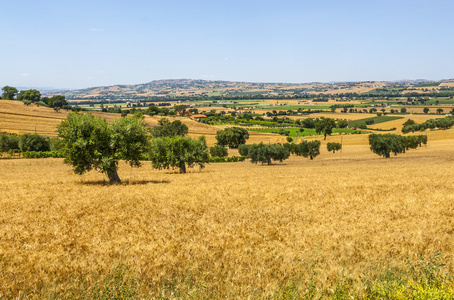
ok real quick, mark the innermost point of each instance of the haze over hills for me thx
(208, 88)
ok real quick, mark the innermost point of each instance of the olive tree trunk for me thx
(113, 177)
(182, 168)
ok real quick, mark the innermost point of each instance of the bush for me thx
(42, 154)
(8, 142)
(34, 142)
(215, 159)
(219, 151)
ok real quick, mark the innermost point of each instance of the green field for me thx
(294, 132)
(294, 107)
(377, 120)
(440, 101)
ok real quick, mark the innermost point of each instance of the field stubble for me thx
(236, 229)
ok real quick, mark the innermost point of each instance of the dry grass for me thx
(235, 229)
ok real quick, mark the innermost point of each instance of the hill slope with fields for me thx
(15, 117)
(205, 88)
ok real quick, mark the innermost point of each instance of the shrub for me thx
(34, 142)
(8, 142)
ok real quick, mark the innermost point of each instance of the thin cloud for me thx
(25, 74)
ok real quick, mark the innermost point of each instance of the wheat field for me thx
(232, 230)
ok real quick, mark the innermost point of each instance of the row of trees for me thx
(385, 144)
(26, 142)
(442, 123)
(33, 96)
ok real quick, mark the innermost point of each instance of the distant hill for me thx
(190, 88)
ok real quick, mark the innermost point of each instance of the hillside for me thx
(174, 88)
(15, 117)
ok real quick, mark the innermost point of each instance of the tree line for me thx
(34, 96)
(441, 123)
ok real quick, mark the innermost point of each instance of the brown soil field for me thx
(238, 229)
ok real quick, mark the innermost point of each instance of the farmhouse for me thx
(197, 117)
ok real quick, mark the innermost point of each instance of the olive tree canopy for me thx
(92, 143)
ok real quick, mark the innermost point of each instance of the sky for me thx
(79, 44)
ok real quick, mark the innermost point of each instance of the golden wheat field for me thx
(232, 230)
(15, 117)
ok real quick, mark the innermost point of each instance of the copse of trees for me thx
(29, 95)
(385, 144)
(441, 123)
(34, 142)
(264, 153)
(34, 96)
(177, 152)
(9, 142)
(232, 137)
(90, 143)
(27, 142)
(9, 92)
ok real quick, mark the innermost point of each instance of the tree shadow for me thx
(125, 182)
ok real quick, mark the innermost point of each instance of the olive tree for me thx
(167, 128)
(309, 149)
(333, 147)
(265, 153)
(219, 151)
(385, 144)
(9, 92)
(90, 143)
(177, 152)
(325, 126)
(232, 137)
(29, 95)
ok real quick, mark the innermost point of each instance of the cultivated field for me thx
(15, 117)
(327, 227)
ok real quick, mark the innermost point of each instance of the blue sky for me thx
(77, 44)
